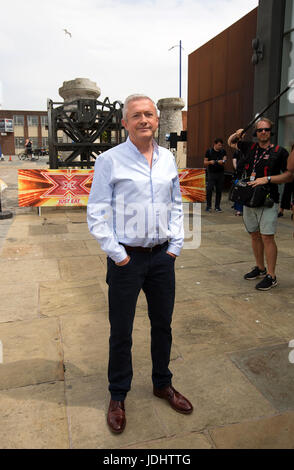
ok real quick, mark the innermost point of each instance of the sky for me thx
(121, 45)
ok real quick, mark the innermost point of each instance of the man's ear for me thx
(125, 124)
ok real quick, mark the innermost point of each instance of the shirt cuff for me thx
(121, 256)
(174, 249)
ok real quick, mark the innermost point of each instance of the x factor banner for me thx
(192, 184)
(72, 187)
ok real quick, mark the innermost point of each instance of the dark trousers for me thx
(214, 180)
(154, 273)
(288, 194)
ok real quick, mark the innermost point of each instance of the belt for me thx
(144, 249)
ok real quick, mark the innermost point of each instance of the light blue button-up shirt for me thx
(133, 204)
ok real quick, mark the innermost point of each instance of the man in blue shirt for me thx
(135, 213)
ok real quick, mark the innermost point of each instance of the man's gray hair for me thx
(265, 119)
(135, 97)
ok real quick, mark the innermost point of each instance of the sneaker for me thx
(208, 209)
(255, 273)
(267, 283)
(218, 209)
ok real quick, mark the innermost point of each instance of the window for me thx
(60, 140)
(33, 120)
(45, 142)
(19, 142)
(18, 120)
(44, 121)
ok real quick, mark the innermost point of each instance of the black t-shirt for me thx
(268, 162)
(29, 146)
(212, 154)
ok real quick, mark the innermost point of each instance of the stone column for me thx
(171, 121)
(170, 118)
(79, 88)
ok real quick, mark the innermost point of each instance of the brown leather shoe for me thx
(116, 417)
(177, 401)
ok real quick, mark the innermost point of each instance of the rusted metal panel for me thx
(220, 88)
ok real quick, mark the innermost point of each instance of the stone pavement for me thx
(230, 355)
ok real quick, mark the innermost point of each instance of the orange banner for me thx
(54, 187)
(72, 187)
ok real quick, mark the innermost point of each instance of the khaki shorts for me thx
(261, 219)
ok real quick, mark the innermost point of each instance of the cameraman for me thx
(261, 161)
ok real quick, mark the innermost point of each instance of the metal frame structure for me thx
(93, 127)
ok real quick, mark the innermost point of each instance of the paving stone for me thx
(275, 432)
(81, 268)
(217, 279)
(62, 249)
(25, 301)
(34, 417)
(191, 440)
(77, 215)
(31, 353)
(225, 255)
(78, 227)
(205, 325)
(47, 229)
(88, 400)
(94, 247)
(192, 258)
(262, 314)
(271, 372)
(85, 344)
(219, 392)
(20, 270)
(71, 297)
(16, 250)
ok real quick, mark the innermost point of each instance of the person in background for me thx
(263, 163)
(214, 162)
(287, 200)
(29, 148)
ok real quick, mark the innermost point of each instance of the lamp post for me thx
(180, 66)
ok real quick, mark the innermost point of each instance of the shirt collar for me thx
(134, 148)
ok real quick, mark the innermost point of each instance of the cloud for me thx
(122, 45)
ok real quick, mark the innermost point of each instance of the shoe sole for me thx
(267, 288)
(253, 278)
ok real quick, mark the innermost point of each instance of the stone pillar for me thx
(170, 118)
(171, 121)
(79, 88)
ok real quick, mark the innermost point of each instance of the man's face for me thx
(218, 146)
(263, 131)
(141, 121)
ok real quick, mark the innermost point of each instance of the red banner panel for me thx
(72, 187)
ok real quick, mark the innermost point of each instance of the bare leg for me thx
(258, 249)
(271, 253)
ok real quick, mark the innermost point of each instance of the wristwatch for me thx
(268, 179)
